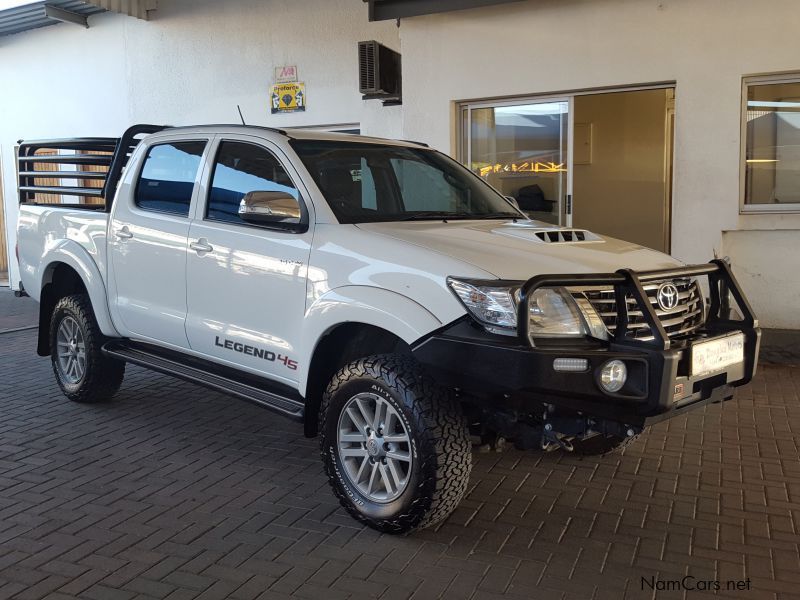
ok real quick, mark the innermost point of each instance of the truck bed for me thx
(44, 227)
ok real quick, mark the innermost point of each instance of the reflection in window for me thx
(772, 144)
(167, 179)
(521, 151)
(241, 168)
(366, 182)
(424, 187)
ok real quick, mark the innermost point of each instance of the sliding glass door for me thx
(522, 149)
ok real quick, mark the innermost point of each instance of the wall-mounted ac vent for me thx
(379, 75)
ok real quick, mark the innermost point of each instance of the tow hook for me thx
(551, 441)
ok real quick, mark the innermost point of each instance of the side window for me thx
(241, 168)
(168, 175)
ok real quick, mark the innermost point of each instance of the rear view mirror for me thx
(512, 201)
(270, 208)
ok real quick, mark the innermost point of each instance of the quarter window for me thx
(167, 179)
(771, 129)
(241, 168)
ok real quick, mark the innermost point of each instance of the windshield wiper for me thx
(499, 215)
(433, 215)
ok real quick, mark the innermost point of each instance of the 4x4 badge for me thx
(667, 296)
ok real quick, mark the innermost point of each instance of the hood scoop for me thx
(549, 235)
(566, 235)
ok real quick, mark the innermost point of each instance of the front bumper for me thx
(510, 371)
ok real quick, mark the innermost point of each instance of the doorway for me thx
(598, 161)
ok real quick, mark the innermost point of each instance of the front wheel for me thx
(395, 445)
(82, 371)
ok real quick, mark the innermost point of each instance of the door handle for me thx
(201, 246)
(124, 233)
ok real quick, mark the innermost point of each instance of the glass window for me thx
(521, 150)
(772, 146)
(241, 168)
(365, 182)
(167, 179)
(424, 186)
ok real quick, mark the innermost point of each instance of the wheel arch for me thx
(352, 322)
(339, 346)
(69, 269)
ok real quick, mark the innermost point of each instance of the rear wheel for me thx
(82, 371)
(394, 444)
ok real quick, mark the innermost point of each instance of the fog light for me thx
(613, 376)
(571, 365)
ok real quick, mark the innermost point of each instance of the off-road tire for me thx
(601, 445)
(102, 376)
(439, 474)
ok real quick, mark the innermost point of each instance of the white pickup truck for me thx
(375, 290)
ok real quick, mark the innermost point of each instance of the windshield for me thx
(365, 182)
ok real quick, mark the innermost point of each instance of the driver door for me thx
(246, 284)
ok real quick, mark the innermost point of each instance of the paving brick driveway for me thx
(175, 492)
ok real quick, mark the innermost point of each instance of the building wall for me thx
(704, 46)
(192, 63)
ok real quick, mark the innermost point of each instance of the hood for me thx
(518, 251)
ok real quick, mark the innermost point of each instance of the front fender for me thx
(71, 253)
(374, 306)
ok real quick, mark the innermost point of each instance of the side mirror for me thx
(512, 201)
(270, 208)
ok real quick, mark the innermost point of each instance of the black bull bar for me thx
(627, 282)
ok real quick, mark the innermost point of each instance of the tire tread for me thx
(445, 428)
(104, 375)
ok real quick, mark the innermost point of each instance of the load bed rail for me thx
(86, 169)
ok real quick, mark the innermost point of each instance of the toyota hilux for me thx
(377, 291)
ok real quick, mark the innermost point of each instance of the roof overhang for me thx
(382, 10)
(50, 12)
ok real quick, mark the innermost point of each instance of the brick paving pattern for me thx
(16, 313)
(172, 491)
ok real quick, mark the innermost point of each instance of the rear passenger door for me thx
(148, 242)
(247, 283)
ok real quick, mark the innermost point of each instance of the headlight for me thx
(494, 306)
(553, 311)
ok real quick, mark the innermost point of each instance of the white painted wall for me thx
(196, 59)
(192, 63)
(705, 46)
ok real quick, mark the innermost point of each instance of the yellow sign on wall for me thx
(288, 97)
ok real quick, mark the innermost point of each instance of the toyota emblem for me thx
(667, 297)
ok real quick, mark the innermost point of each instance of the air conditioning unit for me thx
(379, 75)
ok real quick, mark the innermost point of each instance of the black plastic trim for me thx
(274, 396)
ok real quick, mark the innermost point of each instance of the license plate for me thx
(717, 354)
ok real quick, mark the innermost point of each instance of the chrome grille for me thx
(685, 319)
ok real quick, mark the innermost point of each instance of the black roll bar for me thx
(77, 154)
(627, 282)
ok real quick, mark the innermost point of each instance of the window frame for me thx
(301, 227)
(197, 177)
(759, 209)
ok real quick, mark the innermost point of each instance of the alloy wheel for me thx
(71, 349)
(374, 447)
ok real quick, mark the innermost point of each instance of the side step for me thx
(222, 379)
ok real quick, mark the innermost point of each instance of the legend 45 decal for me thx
(257, 352)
